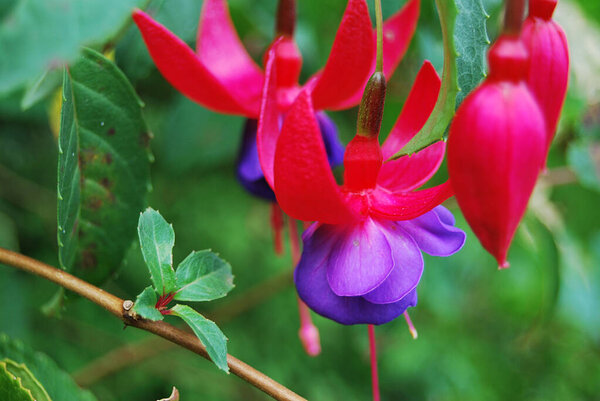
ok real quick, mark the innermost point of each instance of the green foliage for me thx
(583, 156)
(203, 276)
(43, 34)
(11, 386)
(58, 384)
(26, 380)
(157, 239)
(145, 305)
(207, 331)
(465, 42)
(103, 167)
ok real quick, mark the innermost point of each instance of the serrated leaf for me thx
(145, 305)
(103, 167)
(28, 380)
(57, 383)
(157, 239)
(173, 397)
(203, 276)
(207, 332)
(465, 40)
(471, 42)
(11, 387)
(42, 33)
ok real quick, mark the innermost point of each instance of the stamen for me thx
(277, 226)
(374, 375)
(411, 327)
(308, 333)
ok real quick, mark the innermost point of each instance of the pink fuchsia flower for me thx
(221, 76)
(361, 260)
(549, 61)
(496, 147)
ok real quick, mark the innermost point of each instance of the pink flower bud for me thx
(496, 146)
(549, 66)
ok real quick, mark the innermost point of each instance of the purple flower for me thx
(367, 273)
(249, 172)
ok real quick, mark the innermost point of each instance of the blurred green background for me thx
(531, 332)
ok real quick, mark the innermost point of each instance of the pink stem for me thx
(308, 333)
(277, 226)
(374, 375)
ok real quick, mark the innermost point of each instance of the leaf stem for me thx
(114, 305)
(379, 25)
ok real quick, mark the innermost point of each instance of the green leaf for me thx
(145, 305)
(27, 379)
(103, 167)
(471, 42)
(465, 40)
(203, 276)
(38, 34)
(157, 239)
(11, 387)
(209, 334)
(57, 383)
(47, 83)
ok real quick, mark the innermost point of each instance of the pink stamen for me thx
(411, 327)
(277, 226)
(308, 333)
(374, 375)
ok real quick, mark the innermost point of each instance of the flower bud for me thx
(496, 146)
(549, 66)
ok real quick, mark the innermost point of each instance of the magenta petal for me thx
(408, 268)
(361, 259)
(222, 52)
(435, 233)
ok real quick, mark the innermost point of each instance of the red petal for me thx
(350, 60)
(184, 70)
(410, 172)
(268, 119)
(304, 184)
(407, 205)
(223, 54)
(398, 30)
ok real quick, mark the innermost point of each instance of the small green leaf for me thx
(145, 305)
(103, 168)
(11, 387)
(173, 397)
(28, 381)
(209, 334)
(203, 276)
(465, 42)
(157, 239)
(57, 383)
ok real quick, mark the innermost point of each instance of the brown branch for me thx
(130, 354)
(114, 305)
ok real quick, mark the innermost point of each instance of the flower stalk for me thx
(513, 16)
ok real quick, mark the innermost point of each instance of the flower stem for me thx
(374, 375)
(286, 18)
(513, 16)
(379, 25)
(114, 305)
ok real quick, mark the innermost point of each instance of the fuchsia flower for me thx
(549, 61)
(221, 76)
(362, 258)
(496, 147)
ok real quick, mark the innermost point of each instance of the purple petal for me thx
(408, 268)
(311, 282)
(249, 172)
(434, 232)
(360, 260)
